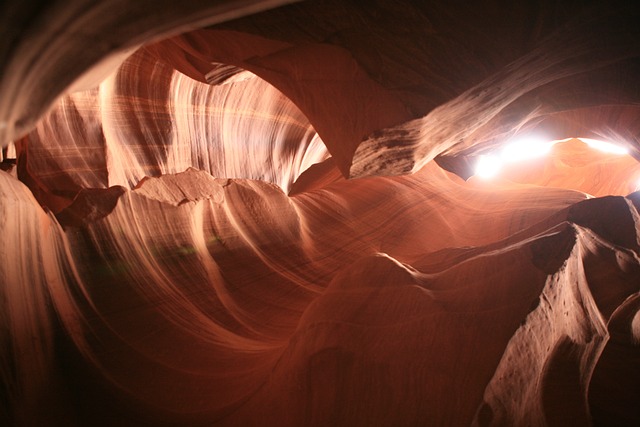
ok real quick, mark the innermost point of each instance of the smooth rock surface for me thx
(232, 213)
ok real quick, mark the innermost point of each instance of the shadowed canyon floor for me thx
(263, 214)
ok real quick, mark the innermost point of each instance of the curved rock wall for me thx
(184, 242)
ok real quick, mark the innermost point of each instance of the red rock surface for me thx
(265, 222)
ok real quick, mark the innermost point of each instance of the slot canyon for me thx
(319, 213)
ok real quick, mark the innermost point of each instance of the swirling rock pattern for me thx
(185, 243)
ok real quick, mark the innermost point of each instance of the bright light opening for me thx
(605, 147)
(524, 150)
(488, 166)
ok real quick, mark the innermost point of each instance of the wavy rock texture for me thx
(183, 244)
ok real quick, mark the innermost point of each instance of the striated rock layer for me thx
(184, 243)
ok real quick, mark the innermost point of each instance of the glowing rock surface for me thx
(184, 242)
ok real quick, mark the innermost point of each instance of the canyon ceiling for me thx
(266, 213)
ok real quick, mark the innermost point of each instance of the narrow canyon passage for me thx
(320, 213)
